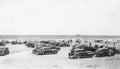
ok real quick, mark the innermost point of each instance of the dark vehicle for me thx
(30, 44)
(85, 47)
(54, 47)
(53, 43)
(64, 44)
(4, 51)
(36, 49)
(14, 42)
(78, 41)
(69, 41)
(2, 43)
(24, 42)
(44, 51)
(89, 48)
(7, 42)
(44, 42)
(19, 43)
(79, 46)
(51, 46)
(98, 41)
(102, 52)
(115, 50)
(80, 53)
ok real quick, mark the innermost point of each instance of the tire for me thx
(77, 56)
(7, 52)
(43, 53)
(55, 52)
(69, 54)
(91, 56)
(37, 53)
(70, 57)
(33, 52)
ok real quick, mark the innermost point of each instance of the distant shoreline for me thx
(60, 36)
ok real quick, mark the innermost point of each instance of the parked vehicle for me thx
(36, 49)
(49, 45)
(13, 42)
(80, 53)
(44, 42)
(63, 44)
(2, 43)
(30, 44)
(115, 50)
(4, 51)
(44, 51)
(54, 47)
(85, 47)
(102, 52)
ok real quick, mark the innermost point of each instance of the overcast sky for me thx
(56, 17)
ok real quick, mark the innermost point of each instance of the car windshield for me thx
(38, 47)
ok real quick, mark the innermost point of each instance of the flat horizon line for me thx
(58, 35)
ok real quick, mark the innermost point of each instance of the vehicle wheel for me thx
(33, 52)
(37, 53)
(43, 53)
(55, 52)
(70, 57)
(8, 52)
(113, 54)
(77, 56)
(4, 53)
(69, 54)
(91, 56)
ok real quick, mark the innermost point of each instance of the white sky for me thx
(55, 17)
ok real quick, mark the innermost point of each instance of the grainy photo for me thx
(59, 34)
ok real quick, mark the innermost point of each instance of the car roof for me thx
(45, 47)
(78, 49)
(101, 49)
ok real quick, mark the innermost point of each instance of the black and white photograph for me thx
(59, 34)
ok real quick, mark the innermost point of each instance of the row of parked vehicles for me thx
(85, 51)
(14, 42)
(40, 50)
(77, 51)
(53, 47)
(32, 44)
(47, 47)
